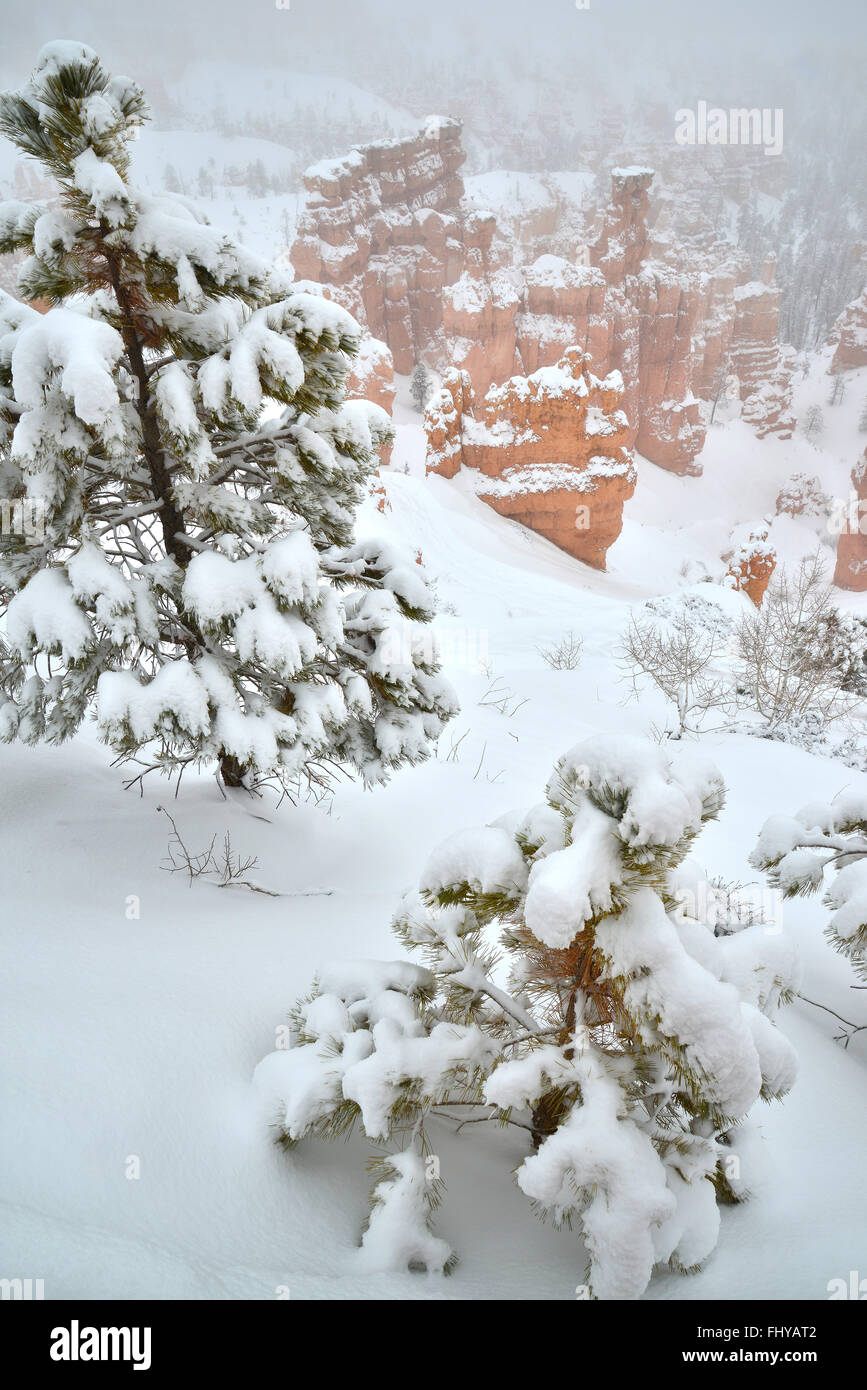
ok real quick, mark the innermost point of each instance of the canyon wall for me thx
(387, 230)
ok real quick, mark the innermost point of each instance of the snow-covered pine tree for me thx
(841, 642)
(814, 422)
(420, 386)
(795, 851)
(625, 1037)
(178, 416)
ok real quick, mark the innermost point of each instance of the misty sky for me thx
(724, 43)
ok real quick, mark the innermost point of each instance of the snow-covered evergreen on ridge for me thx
(195, 576)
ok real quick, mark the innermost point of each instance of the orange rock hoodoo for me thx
(549, 450)
(764, 372)
(736, 340)
(752, 564)
(850, 331)
(652, 311)
(371, 378)
(851, 569)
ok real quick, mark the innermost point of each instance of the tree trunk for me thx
(171, 520)
(553, 1106)
(232, 771)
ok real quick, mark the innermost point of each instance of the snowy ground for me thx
(136, 1037)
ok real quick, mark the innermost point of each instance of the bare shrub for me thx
(788, 659)
(503, 699)
(678, 655)
(222, 867)
(564, 655)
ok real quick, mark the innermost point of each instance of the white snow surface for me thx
(137, 1006)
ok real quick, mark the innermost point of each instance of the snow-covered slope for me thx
(225, 159)
(137, 1004)
(222, 94)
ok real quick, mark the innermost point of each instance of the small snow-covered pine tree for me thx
(420, 386)
(814, 422)
(178, 418)
(626, 1039)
